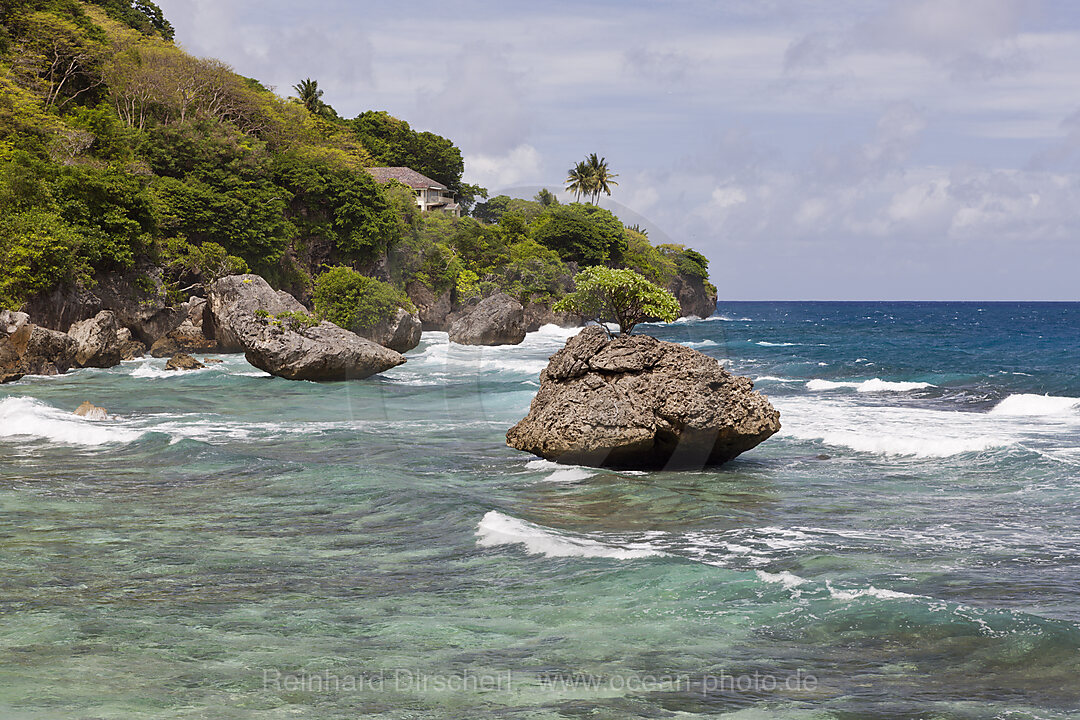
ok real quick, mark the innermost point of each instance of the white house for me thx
(430, 194)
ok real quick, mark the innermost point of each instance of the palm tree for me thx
(579, 180)
(602, 177)
(310, 95)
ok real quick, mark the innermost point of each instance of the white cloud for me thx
(520, 166)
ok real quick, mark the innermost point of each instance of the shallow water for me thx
(231, 545)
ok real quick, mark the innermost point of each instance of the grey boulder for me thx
(495, 320)
(28, 349)
(322, 352)
(234, 300)
(638, 402)
(400, 332)
(97, 340)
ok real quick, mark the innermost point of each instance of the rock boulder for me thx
(28, 349)
(694, 298)
(97, 340)
(495, 320)
(90, 411)
(183, 361)
(400, 332)
(637, 402)
(234, 300)
(322, 352)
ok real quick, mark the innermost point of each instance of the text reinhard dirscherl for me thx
(408, 680)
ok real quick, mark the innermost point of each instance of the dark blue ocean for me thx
(231, 545)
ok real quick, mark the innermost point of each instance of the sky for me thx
(811, 149)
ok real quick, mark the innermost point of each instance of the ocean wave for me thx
(887, 430)
(773, 378)
(788, 579)
(26, 418)
(700, 343)
(871, 591)
(867, 386)
(496, 529)
(560, 473)
(766, 343)
(1028, 405)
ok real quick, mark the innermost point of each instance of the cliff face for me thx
(694, 298)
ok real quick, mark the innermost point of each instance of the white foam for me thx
(1027, 405)
(871, 591)
(22, 417)
(766, 343)
(866, 386)
(560, 473)
(773, 378)
(701, 343)
(787, 579)
(886, 430)
(496, 529)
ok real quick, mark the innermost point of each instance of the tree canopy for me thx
(618, 295)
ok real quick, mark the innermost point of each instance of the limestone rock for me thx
(495, 320)
(323, 352)
(694, 298)
(130, 348)
(400, 332)
(234, 300)
(91, 411)
(97, 342)
(637, 402)
(434, 310)
(182, 361)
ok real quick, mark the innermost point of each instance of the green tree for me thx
(307, 90)
(620, 296)
(585, 234)
(546, 198)
(579, 181)
(601, 179)
(354, 301)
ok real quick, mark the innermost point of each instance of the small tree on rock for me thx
(621, 296)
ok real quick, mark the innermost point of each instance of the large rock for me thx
(130, 348)
(139, 300)
(62, 306)
(495, 320)
(322, 352)
(191, 334)
(97, 340)
(90, 411)
(694, 298)
(28, 349)
(400, 332)
(234, 300)
(637, 402)
(434, 310)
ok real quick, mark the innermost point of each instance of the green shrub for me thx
(584, 234)
(210, 260)
(37, 252)
(354, 301)
(621, 296)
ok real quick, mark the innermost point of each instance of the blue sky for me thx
(834, 149)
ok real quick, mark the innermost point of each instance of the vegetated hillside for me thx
(121, 153)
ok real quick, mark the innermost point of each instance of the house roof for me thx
(405, 175)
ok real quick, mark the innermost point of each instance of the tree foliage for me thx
(354, 301)
(618, 295)
(585, 234)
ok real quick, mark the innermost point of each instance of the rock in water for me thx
(91, 411)
(322, 352)
(97, 340)
(496, 320)
(400, 332)
(235, 299)
(638, 402)
(182, 361)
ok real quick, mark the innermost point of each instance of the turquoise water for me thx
(231, 545)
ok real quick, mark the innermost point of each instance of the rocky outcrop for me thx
(28, 349)
(97, 341)
(322, 352)
(400, 332)
(286, 349)
(183, 361)
(191, 335)
(90, 411)
(234, 300)
(62, 306)
(130, 348)
(694, 298)
(637, 402)
(433, 310)
(140, 302)
(538, 314)
(495, 320)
